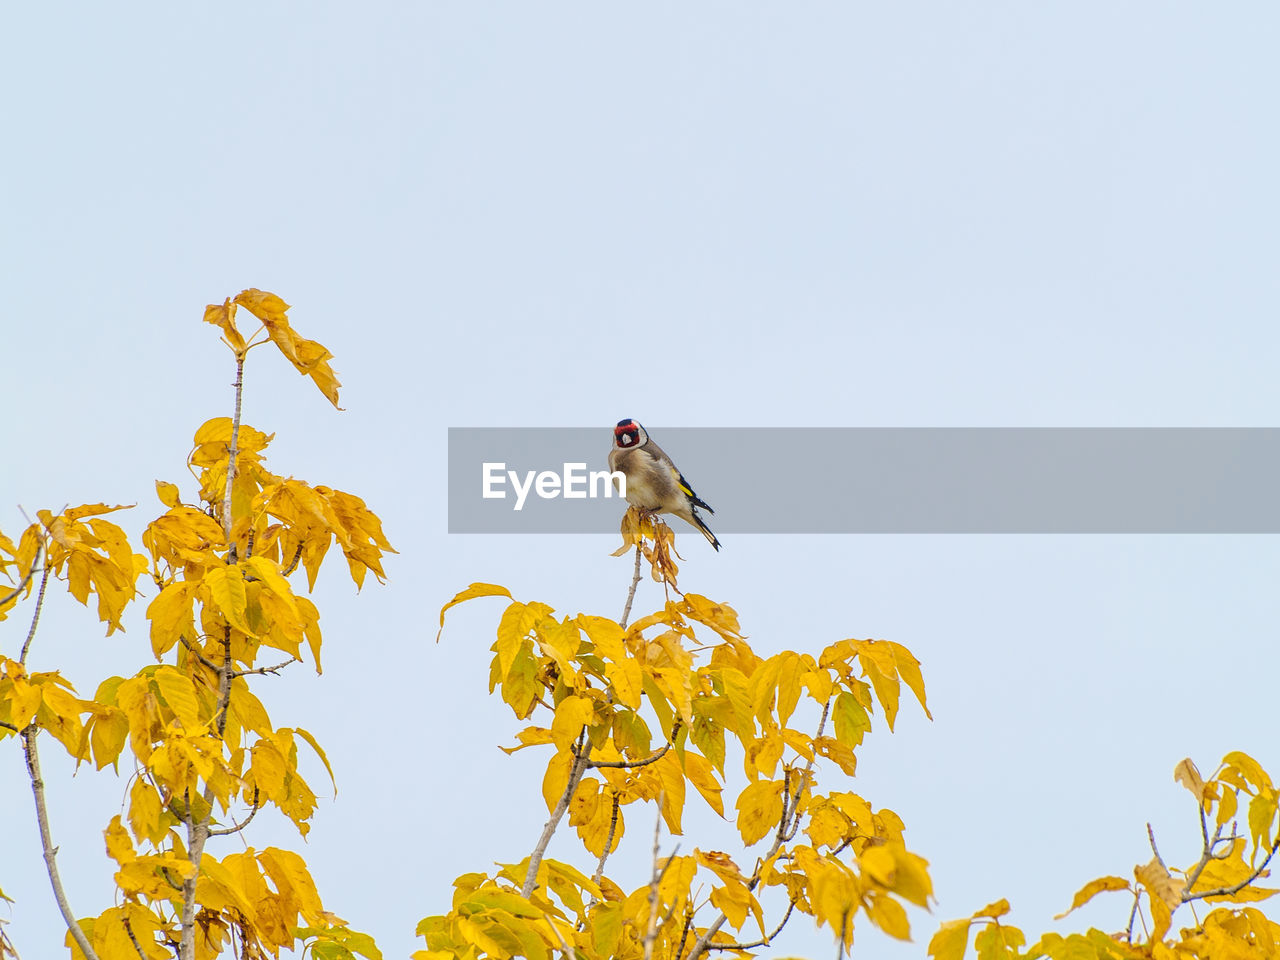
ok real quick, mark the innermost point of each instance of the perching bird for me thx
(653, 482)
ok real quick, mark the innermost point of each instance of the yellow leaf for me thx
(268, 308)
(170, 616)
(851, 720)
(733, 899)
(226, 587)
(790, 672)
(268, 571)
(606, 928)
(876, 658)
(626, 679)
(223, 315)
(168, 494)
(951, 940)
(1186, 774)
(889, 915)
(759, 809)
(994, 910)
(673, 789)
(107, 737)
(556, 779)
(119, 846)
(572, 714)
(306, 735)
(909, 670)
(288, 871)
(473, 591)
(180, 694)
(582, 807)
(1164, 894)
(702, 775)
(1231, 871)
(1248, 768)
(605, 635)
(144, 812)
(1091, 890)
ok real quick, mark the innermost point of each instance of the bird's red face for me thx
(627, 434)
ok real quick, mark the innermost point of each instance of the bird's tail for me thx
(706, 531)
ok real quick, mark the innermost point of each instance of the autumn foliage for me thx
(199, 748)
(635, 720)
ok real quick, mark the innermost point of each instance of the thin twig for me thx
(22, 585)
(1209, 854)
(608, 843)
(9, 726)
(200, 656)
(629, 764)
(759, 943)
(274, 671)
(575, 774)
(136, 945)
(651, 928)
(293, 564)
(29, 735)
(1133, 914)
(631, 594)
(569, 951)
(232, 450)
(684, 934)
(1151, 836)
(35, 617)
(237, 827)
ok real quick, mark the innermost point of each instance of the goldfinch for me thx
(653, 482)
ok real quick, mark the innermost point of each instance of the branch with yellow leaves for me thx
(783, 834)
(581, 752)
(29, 735)
(22, 584)
(198, 832)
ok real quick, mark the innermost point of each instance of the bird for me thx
(653, 482)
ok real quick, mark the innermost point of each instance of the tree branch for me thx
(631, 594)
(759, 943)
(29, 734)
(232, 450)
(136, 945)
(1133, 914)
(651, 928)
(198, 833)
(1209, 854)
(237, 827)
(35, 617)
(293, 564)
(22, 585)
(575, 774)
(200, 656)
(1228, 891)
(629, 764)
(274, 671)
(608, 843)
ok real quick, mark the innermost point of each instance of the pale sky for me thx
(563, 214)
